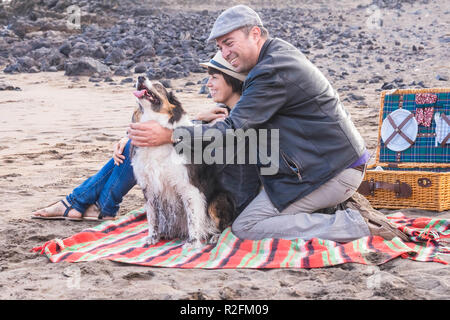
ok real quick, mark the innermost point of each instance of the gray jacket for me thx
(317, 139)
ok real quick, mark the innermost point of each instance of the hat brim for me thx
(233, 74)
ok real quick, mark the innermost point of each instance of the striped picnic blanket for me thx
(123, 241)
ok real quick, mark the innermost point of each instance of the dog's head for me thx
(153, 97)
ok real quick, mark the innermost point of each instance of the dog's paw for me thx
(151, 240)
(192, 244)
(214, 238)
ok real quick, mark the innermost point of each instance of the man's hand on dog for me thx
(149, 134)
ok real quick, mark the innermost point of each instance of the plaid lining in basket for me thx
(424, 149)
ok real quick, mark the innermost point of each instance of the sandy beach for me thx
(57, 130)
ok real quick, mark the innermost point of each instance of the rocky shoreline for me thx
(123, 38)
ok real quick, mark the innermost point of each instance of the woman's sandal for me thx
(63, 217)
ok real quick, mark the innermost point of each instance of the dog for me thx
(184, 201)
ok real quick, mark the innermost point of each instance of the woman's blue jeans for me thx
(106, 188)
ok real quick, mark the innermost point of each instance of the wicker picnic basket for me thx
(419, 175)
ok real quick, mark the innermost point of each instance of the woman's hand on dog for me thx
(118, 150)
(149, 134)
(213, 114)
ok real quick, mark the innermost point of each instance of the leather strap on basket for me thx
(401, 189)
(444, 116)
(398, 129)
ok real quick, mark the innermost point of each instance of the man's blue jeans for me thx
(106, 188)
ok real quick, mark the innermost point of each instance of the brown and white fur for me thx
(184, 201)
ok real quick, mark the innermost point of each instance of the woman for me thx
(99, 196)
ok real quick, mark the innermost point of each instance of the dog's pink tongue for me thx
(140, 94)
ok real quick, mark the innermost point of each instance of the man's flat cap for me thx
(234, 18)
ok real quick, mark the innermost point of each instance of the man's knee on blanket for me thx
(239, 230)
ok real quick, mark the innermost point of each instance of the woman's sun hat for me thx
(219, 63)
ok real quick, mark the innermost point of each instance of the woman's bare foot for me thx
(56, 211)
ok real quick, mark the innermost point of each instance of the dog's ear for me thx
(173, 99)
(176, 109)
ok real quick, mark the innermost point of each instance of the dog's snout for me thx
(141, 79)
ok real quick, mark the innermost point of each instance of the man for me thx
(322, 156)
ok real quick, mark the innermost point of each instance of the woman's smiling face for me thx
(220, 90)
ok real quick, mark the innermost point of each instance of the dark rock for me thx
(319, 45)
(40, 53)
(20, 49)
(141, 67)
(127, 80)
(127, 64)
(95, 79)
(356, 97)
(189, 83)
(444, 38)
(85, 66)
(204, 80)
(21, 27)
(203, 90)
(175, 60)
(40, 43)
(99, 53)
(441, 78)
(421, 84)
(23, 64)
(147, 52)
(166, 83)
(375, 79)
(12, 68)
(130, 42)
(122, 72)
(115, 56)
(65, 48)
(387, 86)
(172, 74)
(155, 74)
(7, 86)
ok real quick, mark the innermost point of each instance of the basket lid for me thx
(419, 141)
